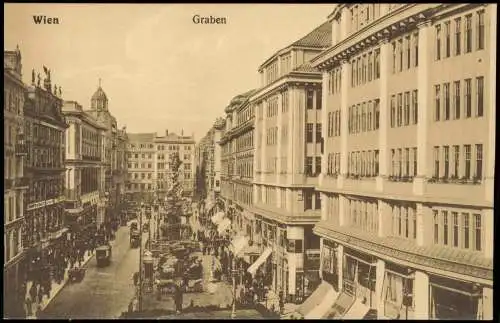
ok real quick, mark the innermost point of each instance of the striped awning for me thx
(262, 258)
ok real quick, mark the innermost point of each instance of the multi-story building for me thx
(287, 162)
(15, 187)
(409, 105)
(148, 162)
(237, 157)
(112, 175)
(84, 167)
(44, 130)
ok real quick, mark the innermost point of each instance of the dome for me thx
(99, 95)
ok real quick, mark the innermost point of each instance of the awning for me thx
(238, 244)
(253, 268)
(248, 215)
(223, 225)
(319, 303)
(217, 217)
(341, 306)
(357, 311)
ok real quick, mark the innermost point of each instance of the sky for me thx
(159, 69)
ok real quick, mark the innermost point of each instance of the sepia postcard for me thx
(249, 161)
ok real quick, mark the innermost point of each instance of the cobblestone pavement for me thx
(104, 292)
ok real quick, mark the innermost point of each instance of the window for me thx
(415, 106)
(444, 215)
(400, 49)
(393, 57)
(370, 67)
(309, 132)
(465, 226)
(477, 231)
(407, 109)
(436, 226)
(447, 41)
(318, 165)
(479, 161)
(456, 100)
(407, 161)
(468, 98)
(309, 161)
(318, 99)
(458, 35)
(377, 63)
(318, 132)
(436, 162)
(310, 99)
(415, 44)
(456, 160)
(446, 155)
(467, 152)
(400, 110)
(415, 161)
(377, 114)
(438, 42)
(317, 204)
(438, 102)
(468, 33)
(446, 99)
(480, 96)
(454, 216)
(393, 111)
(480, 30)
(408, 52)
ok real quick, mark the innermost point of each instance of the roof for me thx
(319, 38)
(306, 67)
(99, 95)
(141, 136)
(238, 100)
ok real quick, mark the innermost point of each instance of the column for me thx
(263, 142)
(424, 225)
(379, 283)
(421, 294)
(291, 133)
(295, 260)
(343, 210)
(491, 11)
(324, 127)
(340, 266)
(487, 303)
(423, 76)
(344, 115)
(384, 218)
(325, 206)
(279, 152)
(488, 233)
(383, 106)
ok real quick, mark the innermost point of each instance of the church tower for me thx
(99, 101)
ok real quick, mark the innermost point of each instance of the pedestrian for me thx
(40, 294)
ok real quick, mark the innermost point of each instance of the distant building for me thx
(114, 175)
(15, 187)
(148, 162)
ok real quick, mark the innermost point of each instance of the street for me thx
(104, 292)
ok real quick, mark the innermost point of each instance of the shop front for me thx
(397, 292)
(454, 300)
(14, 289)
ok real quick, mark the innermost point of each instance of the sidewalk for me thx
(56, 288)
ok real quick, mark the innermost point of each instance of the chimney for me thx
(182, 132)
(166, 132)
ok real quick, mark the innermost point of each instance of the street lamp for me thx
(139, 296)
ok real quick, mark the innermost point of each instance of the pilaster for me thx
(289, 199)
(325, 206)
(291, 132)
(421, 293)
(383, 106)
(491, 107)
(424, 225)
(343, 209)
(423, 77)
(488, 233)
(379, 283)
(384, 218)
(324, 128)
(487, 303)
(344, 23)
(279, 151)
(344, 115)
(263, 149)
(340, 266)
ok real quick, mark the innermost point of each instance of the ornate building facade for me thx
(407, 172)
(15, 186)
(84, 168)
(44, 167)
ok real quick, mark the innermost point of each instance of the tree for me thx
(174, 201)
